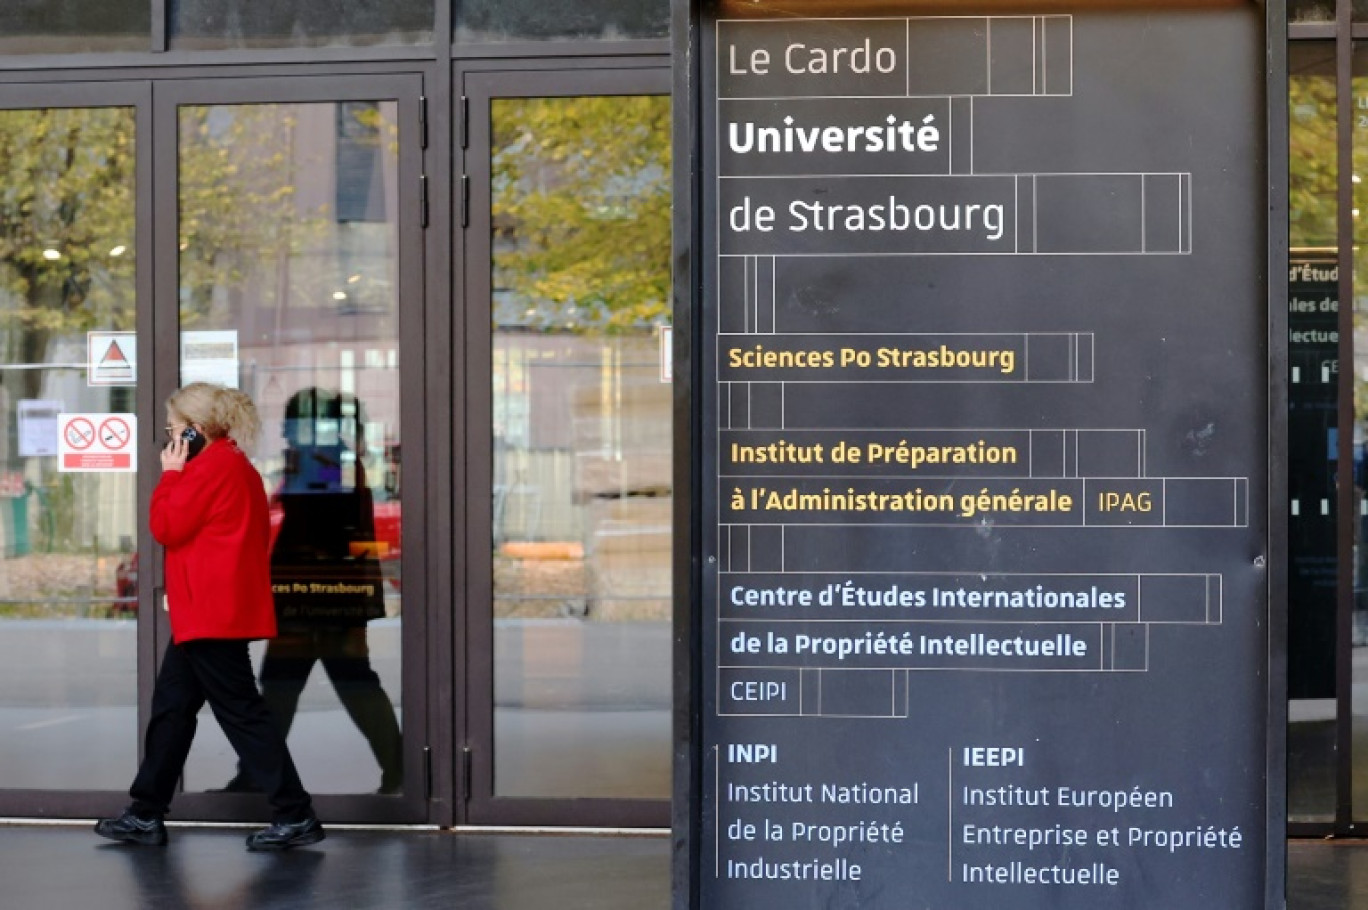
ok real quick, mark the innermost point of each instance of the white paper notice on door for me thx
(38, 427)
(210, 356)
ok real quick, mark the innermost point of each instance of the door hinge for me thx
(465, 201)
(467, 774)
(423, 199)
(427, 772)
(465, 121)
(422, 121)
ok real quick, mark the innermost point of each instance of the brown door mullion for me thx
(475, 769)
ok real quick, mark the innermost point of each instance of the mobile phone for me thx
(194, 442)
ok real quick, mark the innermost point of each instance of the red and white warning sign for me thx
(111, 358)
(96, 442)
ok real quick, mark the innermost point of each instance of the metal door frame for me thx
(475, 86)
(135, 94)
(407, 91)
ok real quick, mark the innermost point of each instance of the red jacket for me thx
(212, 519)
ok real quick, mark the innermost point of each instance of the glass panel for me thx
(1311, 10)
(289, 290)
(68, 520)
(217, 24)
(74, 26)
(540, 20)
(1313, 305)
(582, 447)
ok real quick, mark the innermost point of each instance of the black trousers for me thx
(218, 671)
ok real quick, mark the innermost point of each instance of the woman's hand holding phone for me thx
(182, 448)
(175, 455)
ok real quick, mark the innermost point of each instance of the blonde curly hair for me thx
(221, 411)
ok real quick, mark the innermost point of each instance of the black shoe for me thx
(150, 832)
(283, 835)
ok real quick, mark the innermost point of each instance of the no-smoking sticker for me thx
(114, 432)
(79, 433)
(96, 442)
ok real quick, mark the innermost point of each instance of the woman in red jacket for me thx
(209, 511)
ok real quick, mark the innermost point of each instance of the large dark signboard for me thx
(984, 405)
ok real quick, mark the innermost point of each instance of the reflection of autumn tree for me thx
(265, 202)
(66, 260)
(1359, 120)
(581, 206)
(67, 217)
(66, 230)
(237, 200)
(375, 122)
(1313, 172)
(1311, 161)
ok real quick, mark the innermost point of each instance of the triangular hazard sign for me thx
(114, 356)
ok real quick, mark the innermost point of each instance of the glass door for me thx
(74, 285)
(567, 315)
(290, 258)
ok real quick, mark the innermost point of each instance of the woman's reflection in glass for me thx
(326, 575)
